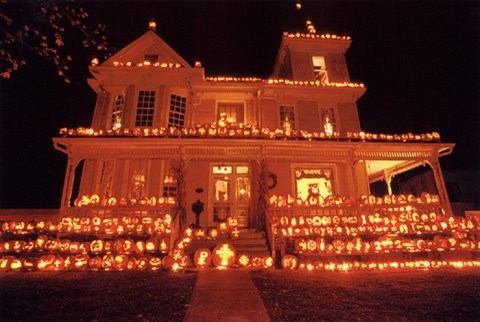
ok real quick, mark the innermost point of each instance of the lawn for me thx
(103, 296)
(452, 295)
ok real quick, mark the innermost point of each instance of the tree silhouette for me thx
(42, 28)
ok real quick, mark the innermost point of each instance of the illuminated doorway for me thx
(230, 193)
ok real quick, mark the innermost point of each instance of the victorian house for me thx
(161, 127)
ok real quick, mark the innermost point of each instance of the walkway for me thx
(227, 295)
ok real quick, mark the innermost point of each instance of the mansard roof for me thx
(148, 44)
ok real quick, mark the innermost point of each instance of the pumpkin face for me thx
(224, 255)
(289, 262)
(202, 257)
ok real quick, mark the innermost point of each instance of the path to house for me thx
(227, 295)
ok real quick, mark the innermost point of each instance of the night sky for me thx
(418, 59)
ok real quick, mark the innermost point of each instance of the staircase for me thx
(249, 242)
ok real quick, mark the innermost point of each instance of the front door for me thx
(230, 193)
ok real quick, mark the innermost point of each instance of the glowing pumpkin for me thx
(224, 255)
(289, 261)
(202, 257)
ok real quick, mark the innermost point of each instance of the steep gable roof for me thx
(148, 44)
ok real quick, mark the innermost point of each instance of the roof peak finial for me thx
(152, 25)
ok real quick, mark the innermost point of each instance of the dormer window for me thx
(320, 69)
(151, 58)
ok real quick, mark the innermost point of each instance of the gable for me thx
(149, 44)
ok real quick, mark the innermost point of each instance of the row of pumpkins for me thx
(96, 200)
(364, 200)
(384, 244)
(224, 128)
(97, 246)
(130, 225)
(222, 256)
(291, 262)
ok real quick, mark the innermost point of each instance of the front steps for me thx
(249, 242)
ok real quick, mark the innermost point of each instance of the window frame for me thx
(315, 166)
(169, 111)
(145, 108)
(314, 68)
(118, 108)
(294, 125)
(233, 102)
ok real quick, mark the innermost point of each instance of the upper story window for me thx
(117, 111)
(145, 108)
(233, 111)
(328, 119)
(176, 115)
(320, 69)
(287, 117)
(151, 58)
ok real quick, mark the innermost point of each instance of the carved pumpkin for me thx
(202, 257)
(224, 255)
(289, 261)
(243, 260)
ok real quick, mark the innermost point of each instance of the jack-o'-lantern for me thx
(256, 261)
(289, 261)
(202, 257)
(40, 243)
(213, 233)
(168, 262)
(224, 255)
(120, 262)
(74, 247)
(81, 261)
(267, 262)
(300, 245)
(184, 261)
(96, 246)
(132, 263)
(107, 262)
(64, 245)
(234, 232)
(46, 262)
(243, 260)
(108, 246)
(29, 264)
(95, 263)
(142, 263)
(59, 264)
(223, 228)
(139, 247)
(163, 246)
(128, 246)
(118, 246)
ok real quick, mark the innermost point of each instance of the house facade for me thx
(162, 128)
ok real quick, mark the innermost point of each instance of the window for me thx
(176, 115)
(145, 108)
(328, 119)
(169, 186)
(320, 69)
(117, 111)
(233, 112)
(287, 113)
(313, 182)
(151, 58)
(138, 181)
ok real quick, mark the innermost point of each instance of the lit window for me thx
(313, 182)
(287, 113)
(320, 69)
(233, 112)
(117, 111)
(328, 119)
(222, 169)
(242, 169)
(176, 115)
(145, 108)
(151, 58)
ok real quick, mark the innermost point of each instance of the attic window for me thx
(320, 69)
(151, 58)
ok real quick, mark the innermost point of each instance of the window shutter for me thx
(129, 107)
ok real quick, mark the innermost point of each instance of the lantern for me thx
(224, 255)
(202, 257)
(256, 261)
(107, 262)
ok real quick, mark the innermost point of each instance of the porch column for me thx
(68, 183)
(388, 181)
(440, 183)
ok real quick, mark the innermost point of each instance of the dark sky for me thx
(418, 59)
